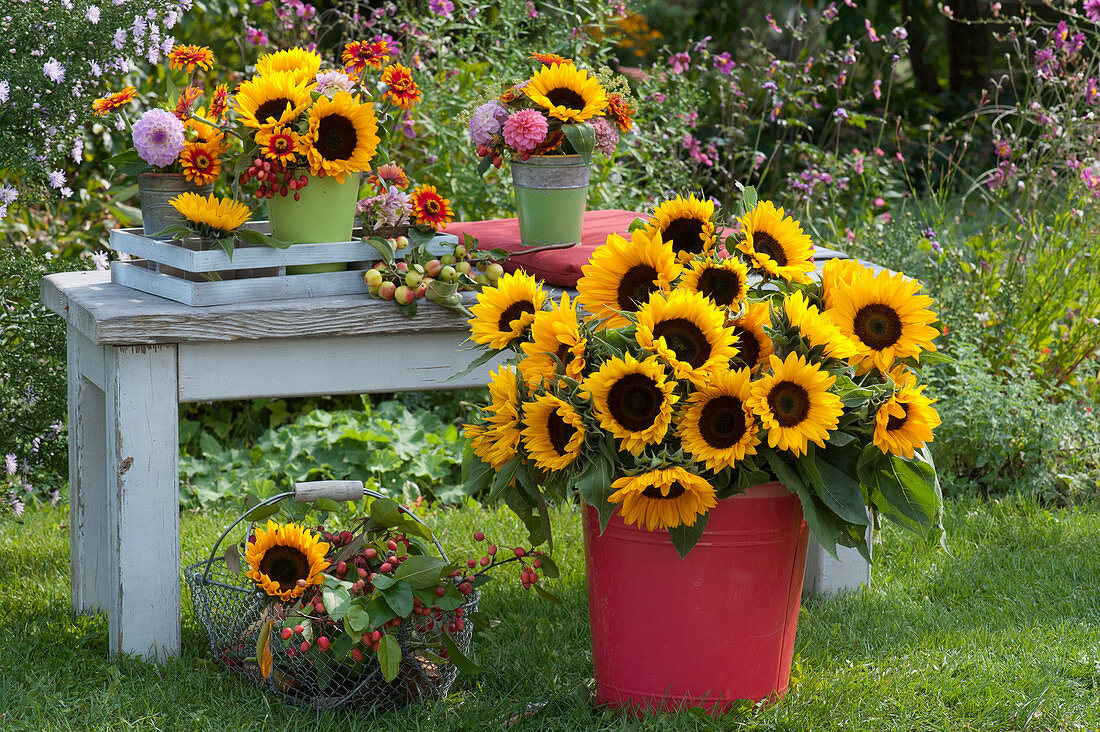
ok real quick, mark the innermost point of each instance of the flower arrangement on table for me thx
(681, 381)
(560, 110)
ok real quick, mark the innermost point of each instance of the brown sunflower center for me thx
(724, 286)
(685, 339)
(336, 138)
(285, 565)
(674, 491)
(566, 98)
(684, 234)
(560, 432)
(564, 353)
(748, 347)
(789, 402)
(514, 312)
(877, 325)
(272, 108)
(635, 402)
(635, 287)
(765, 243)
(896, 423)
(722, 422)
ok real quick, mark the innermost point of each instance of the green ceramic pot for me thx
(325, 212)
(550, 199)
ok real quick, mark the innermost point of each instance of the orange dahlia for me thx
(111, 102)
(188, 57)
(402, 91)
(358, 55)
(430, 208)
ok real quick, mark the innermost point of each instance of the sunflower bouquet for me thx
(560, 110)
(687, 369)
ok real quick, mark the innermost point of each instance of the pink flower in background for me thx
(690, 144)
(532, 12)
(1092, 10)
(724, 63)
(607, 135)
(525, 129)
(679, 62)
(442, 8)
(1091, 90)
(877, 90)
(256, 36)
(158, 137)
(93, 14)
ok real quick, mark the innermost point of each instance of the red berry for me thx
(537, 563)
(391, 545)
(319, 607)
(519, 551)
(439, 592)
(363, 573)
(376, 636)
(465, 588)
(323, 644)
(297, 196)
(287, 632)
(492, 549)
(346, 537)
(342, 568)
(304, 647)
(370, 553)
(471, 563)
(356, 655)
(299, 629)
(478, 536)
(385, 568)
(485, 561)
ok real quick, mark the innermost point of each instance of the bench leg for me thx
(88, 566)
(143, 500)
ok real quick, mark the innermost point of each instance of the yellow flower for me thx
(836, 274)
(503, 312)
(817, 329)
(281, 556)
(776, 245)
(686, 224)
(554, 432)
(633, 400)
(622, 274)
(555, 336)
(280, 144)
(905, 422)
(663, 499)
(199, 131)
(566, 92)
(271, 100)
(211, 216)
(299, 63)
(188, 57)
(753, 344)
(496, 440)
(718, 427)
(795, 405)
(686, 330)
(342, 137)
(200, 162)
(724, 281)
(885, 318)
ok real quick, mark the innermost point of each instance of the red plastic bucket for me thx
(703, 631)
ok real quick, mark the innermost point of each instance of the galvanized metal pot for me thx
(550, 199)
(156, 191)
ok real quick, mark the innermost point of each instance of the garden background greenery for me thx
(957, 144)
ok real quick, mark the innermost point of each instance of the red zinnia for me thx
(358, 55)
(388, 175)
(188, 57)
(187, 99)
(431, 208)
(620, 110)
(200, 163)
(549, 59)
(403, 90)
(114, 101)
(219, 103)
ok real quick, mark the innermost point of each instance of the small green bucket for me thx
(325, 212)
(551, 191)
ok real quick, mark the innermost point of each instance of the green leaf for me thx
(400, 598)
(383, 248)
(684, 538)
(128, 162)
(357, 619)
(485, 163)
(842, 494)
(326, 504)
(583, 139)
(905, 492)
(385, 512)
(503, 478)
(748, 199)
(637, 224)
(383, 581)
(389, 657)
(549, 567)
(342, 645)
(547, 595)
(380, 612)
(259, 239)
(420, 571)
(818, 518)
(480, 360)
(259, 513)
(337, 601)
(459, 659)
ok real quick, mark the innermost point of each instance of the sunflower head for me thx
(556, 342)
(300, 64)
(633, 400)
(718, 428)
(795, 405)
(199, 131)
(209, 216)
(275, 98)
(566, 92)
(905, 422)
(725, 282)
(686, 225)
(553, 433)
(687, 331)
(775, 244)
(284, 559)
(503, 313)
(816, 329)
(836, 274)
(342, 137)
(663, 499)
(753, 344)
(623, 274)
(496, 439)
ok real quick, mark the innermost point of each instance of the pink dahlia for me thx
(525, 129)
(158, 137)
(607, 135)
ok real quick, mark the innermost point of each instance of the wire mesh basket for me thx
(233, 614)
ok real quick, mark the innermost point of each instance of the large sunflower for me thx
(663, 498)
(795, 405)
(686, 225)
(503, 312)
(816, 328)
(905, 422)
(199, 131)
(776, 245)
(633, 400)
(622, 274)
(555, 336)
(270, 100)
(688, 331)
(885, 317)
(284, 555)
(554, 432)
(497, 439)
(301, 64)
(342, 137)
(836, 274)
(753, 344)
(724, 281)
(566, 92)
(211, 216)
(718, 428)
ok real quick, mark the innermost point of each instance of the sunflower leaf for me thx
(818, 517)
(128, 162)
(905, 492)
(259, 238)
(259, 513)
(485, 164)
(636, 224)
(233, 559)
(546, 594)
(840, 491)
(684, 538)
(479, 361)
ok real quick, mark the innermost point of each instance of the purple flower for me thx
(1045, 63)
(4, 89)
(871, 31)
(100, 260)
(877, 89)
(442, 8)
(724, 63)
(54, 71)
(900, 33)
(17, 505)
(1092, 10)
(486, 122)
(1061, 34)
(532, 12)
(607, 135)
(830, 12)
(55, 496)
(11, 464)
(8, 194)
(158, 137)
(93, 14)
(256, 36)
(119, 39)
(679, 62)
(690, 144)
(57, 178)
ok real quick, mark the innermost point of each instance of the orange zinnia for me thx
(430, 208)
(388, 174)
(220, 102)
(549, 59)
(111, 102)
(188, 57)
(200, 163)
(403, 91)
(621, 111)
(358, 55)
(187, 99)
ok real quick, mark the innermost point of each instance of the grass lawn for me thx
(1002, 633)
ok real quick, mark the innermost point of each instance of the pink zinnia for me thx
(525, 130)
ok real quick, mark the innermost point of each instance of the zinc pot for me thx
(156, 191)
(550, 199)
(706, 630)
(324, 212)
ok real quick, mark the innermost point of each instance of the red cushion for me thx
(561, 267)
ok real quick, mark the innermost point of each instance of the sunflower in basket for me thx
(285, 559)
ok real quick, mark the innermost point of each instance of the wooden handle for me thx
(337, 490)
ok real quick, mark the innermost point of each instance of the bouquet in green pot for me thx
(687, 370)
